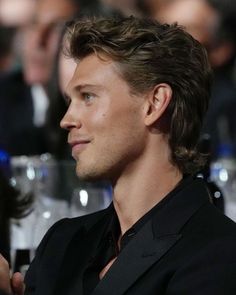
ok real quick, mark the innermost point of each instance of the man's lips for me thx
(78, 145)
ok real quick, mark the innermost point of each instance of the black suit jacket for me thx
(189, 248)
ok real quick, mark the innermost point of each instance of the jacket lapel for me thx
(139, 255)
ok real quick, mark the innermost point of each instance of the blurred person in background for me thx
(213, 23)
(24, 102)
(41, 38)
(13, 15)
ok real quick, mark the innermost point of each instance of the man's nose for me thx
(70, 121)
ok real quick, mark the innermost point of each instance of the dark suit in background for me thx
(220, 121)
(18, 134)
(187, 247)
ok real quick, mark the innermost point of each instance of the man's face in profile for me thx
(104, 120)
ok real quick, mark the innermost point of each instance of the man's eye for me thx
(87, 96)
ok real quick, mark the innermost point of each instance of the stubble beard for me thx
(102, 169)
(108, 165)
(89, 172)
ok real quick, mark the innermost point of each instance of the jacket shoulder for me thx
(53, 247)
(67, 227)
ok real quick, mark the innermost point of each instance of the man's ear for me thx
(156, 103)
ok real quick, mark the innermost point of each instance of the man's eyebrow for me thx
(81, 87)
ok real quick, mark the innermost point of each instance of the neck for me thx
(144, 184)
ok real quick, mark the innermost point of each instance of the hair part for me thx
(149, 53)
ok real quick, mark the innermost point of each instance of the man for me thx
(135, 106)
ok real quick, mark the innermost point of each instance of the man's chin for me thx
(93, 176)
(88, 175)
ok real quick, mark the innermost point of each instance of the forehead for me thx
(93, 70)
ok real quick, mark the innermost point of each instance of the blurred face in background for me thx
(15, 13)
(41, 39)
(196, 16)
(202, 21)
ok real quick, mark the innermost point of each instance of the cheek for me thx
(121, 127)
(110, 119)
(99, 116)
